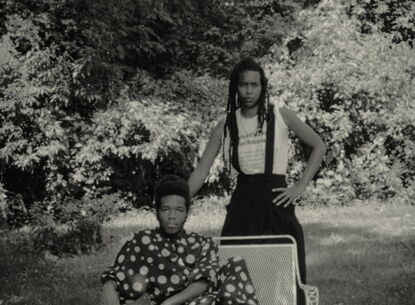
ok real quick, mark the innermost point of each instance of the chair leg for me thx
(311, 295)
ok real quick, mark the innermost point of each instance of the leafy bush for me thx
(67, 73)
(76, 227)
(91, 107)
(355, 89)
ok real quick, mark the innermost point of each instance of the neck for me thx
(249, 112)
(171, 236)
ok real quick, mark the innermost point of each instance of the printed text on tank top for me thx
(251, 143)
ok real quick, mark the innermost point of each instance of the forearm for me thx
(313, 163)
(198, 176)
(196, 180)
(193, 290)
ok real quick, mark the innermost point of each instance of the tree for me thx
(356, 90)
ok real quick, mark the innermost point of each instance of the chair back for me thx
(272, 264)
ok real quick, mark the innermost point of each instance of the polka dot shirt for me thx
(159, 265)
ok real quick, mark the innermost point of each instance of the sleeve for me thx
(115, 272)
(206, 264)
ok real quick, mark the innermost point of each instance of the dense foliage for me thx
(103, 97)
(352, 79)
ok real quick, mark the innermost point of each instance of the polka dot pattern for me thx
(144, 270)
(249, 288)
(120, 276)
(190, 259)
(175, 279)
(137, 286)
(162, 279)
(160, 266)
(230, 288)
(243, 276)
(145, 240)
(121, 258)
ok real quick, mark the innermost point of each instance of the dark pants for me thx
(251, 212)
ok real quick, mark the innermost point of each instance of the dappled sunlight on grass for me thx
(356, 255)
(207, 217)
(332, 239)
(361, 254)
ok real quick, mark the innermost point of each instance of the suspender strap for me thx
(235, 145)
(269, 144)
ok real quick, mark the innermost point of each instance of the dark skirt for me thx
(252, 212)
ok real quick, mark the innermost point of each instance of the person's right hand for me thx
(109, 294)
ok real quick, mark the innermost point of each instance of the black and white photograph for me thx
(207, 152)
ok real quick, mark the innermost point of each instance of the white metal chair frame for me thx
(311, 293)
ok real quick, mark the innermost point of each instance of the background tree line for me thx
(98, 99)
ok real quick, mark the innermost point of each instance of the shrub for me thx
(76, 227)
(355, 89)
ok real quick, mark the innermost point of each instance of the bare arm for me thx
(313, 140)
(109, 295)
(193, 290)
(198, 176)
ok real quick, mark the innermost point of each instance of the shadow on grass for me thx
(351, 264)
(356, 265)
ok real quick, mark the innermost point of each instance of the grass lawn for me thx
(357, 255)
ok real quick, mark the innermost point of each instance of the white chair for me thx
(273, 265)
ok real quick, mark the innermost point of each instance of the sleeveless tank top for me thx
(251, 151)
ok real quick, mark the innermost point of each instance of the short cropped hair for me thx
(171, 185)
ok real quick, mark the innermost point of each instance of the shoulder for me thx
(277, 102)
(195, 235)
(285, 111)
(291, 119)
(281, 108)
(144, 236)
(288, 115)
(280, 111)
(218, 128)
(201, 238)
(220, 123)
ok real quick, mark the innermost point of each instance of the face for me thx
(172, 213)
(249, 89)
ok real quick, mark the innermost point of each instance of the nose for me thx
(172, 215)
(249, 89)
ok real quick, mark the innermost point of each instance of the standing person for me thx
(254, 137)
(172, 266)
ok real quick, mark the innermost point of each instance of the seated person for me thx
(172, 266)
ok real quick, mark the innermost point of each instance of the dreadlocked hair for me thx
(233, 104)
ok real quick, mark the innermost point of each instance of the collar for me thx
(178, 235)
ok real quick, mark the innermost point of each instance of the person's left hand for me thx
(288, 195)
